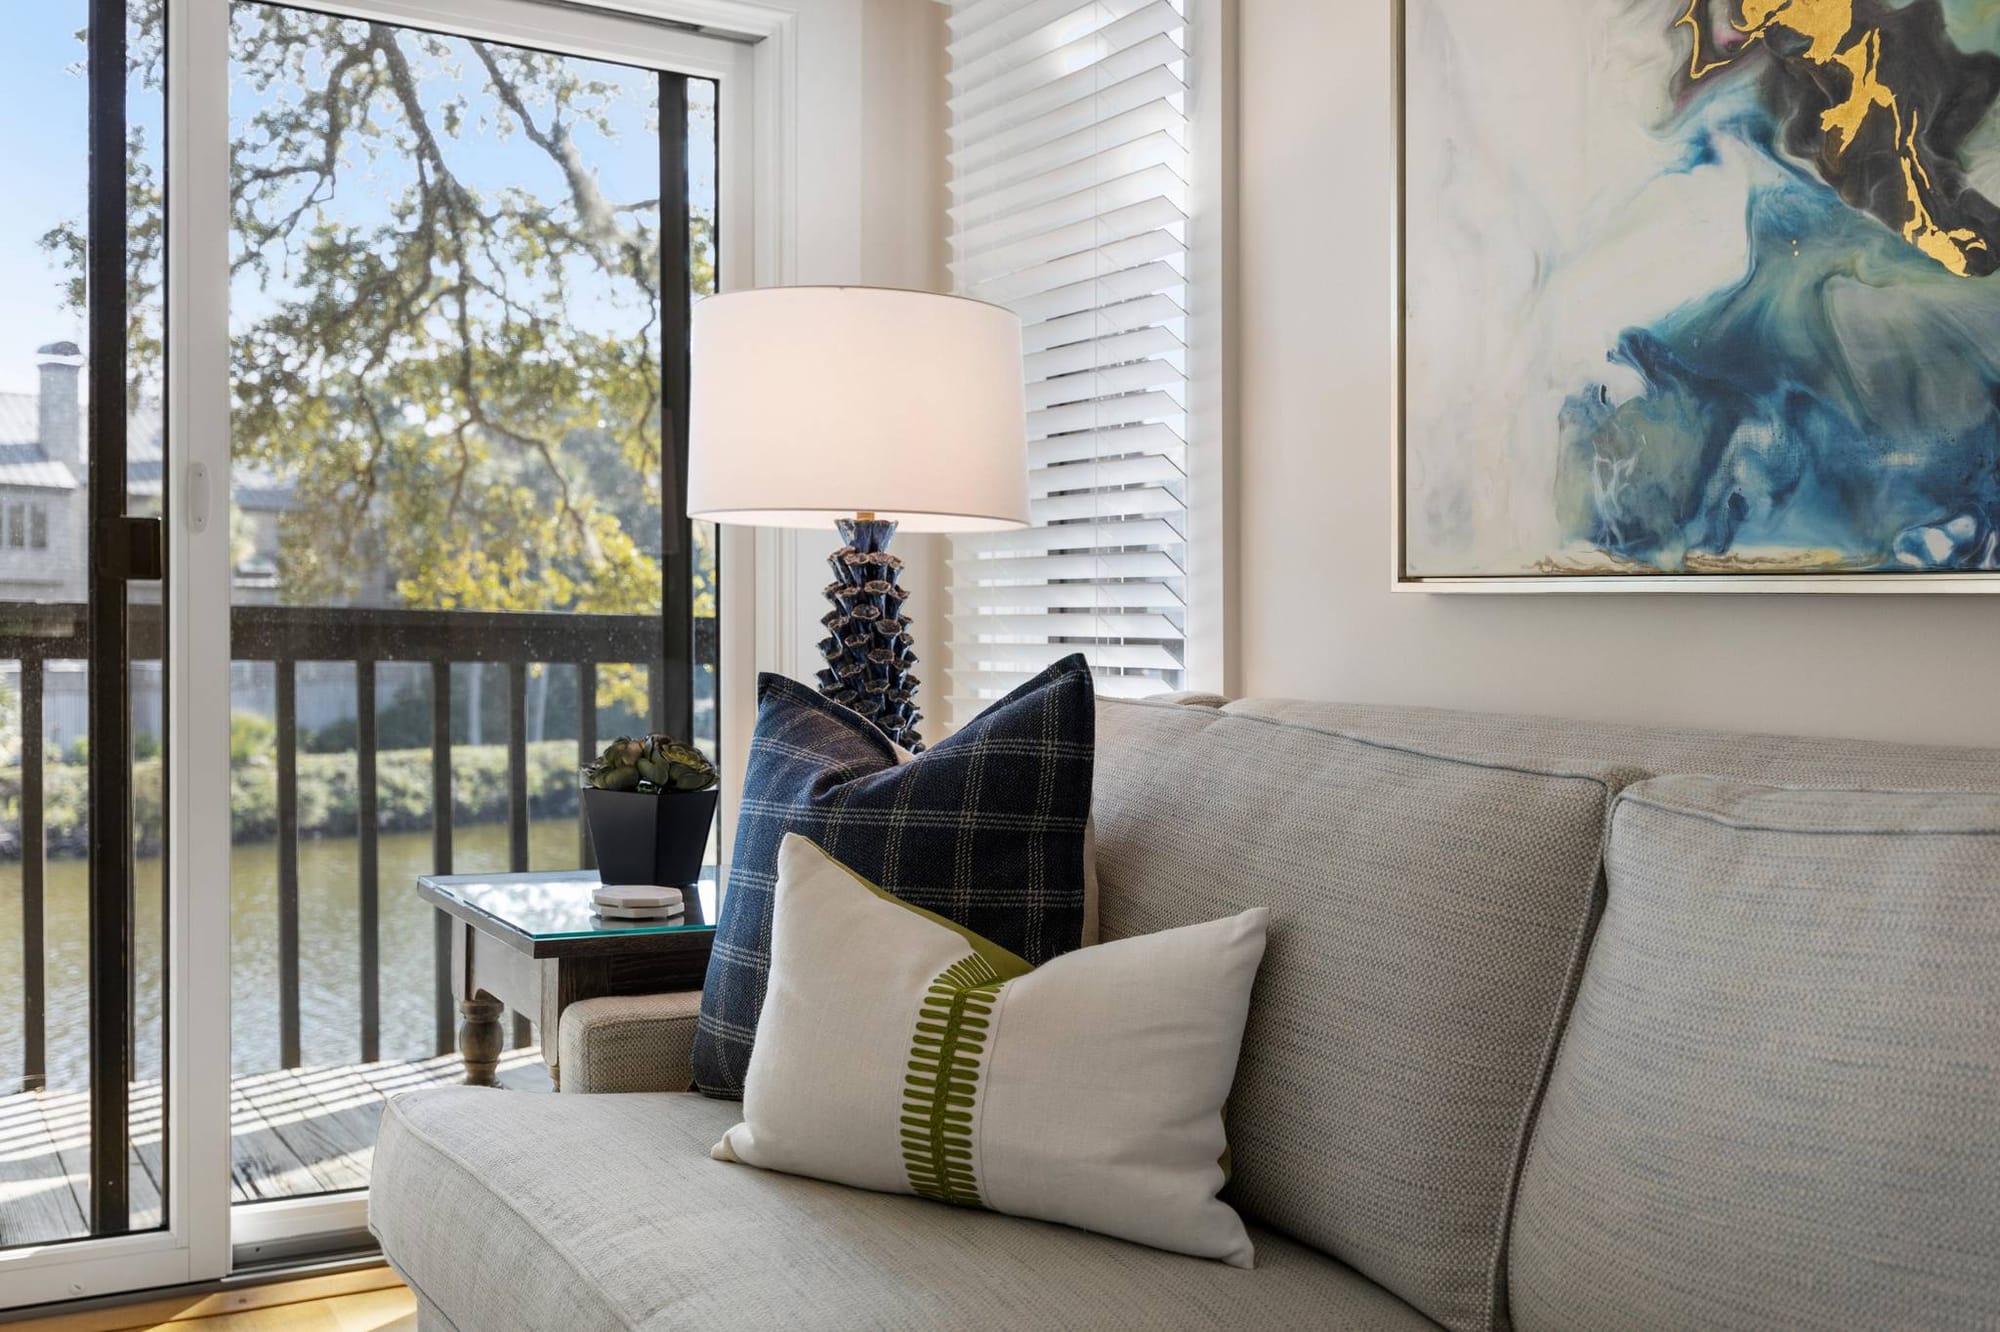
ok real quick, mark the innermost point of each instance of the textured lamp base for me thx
(867, 648)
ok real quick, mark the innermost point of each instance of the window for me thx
(1070, 203)
(38, 527)
(17, 526)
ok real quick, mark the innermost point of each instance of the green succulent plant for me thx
(656, 765)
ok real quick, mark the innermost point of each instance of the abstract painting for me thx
(1700, 288)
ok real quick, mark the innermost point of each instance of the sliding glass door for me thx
(340, 462)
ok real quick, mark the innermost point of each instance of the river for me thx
(329, 949)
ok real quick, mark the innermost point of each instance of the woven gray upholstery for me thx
(635, 1043)
(1428, 918)
(591, 1213)
(1604, 746)
(1778, 1101)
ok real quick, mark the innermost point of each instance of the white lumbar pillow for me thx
(898, 1051)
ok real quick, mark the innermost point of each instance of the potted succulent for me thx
(649, 804)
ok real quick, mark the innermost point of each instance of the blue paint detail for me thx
(1843, 396)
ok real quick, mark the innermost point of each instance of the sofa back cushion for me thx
(1428, 917)
(1778, 1099)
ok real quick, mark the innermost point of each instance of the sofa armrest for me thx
(629, 1043)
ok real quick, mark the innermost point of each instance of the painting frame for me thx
(1975, 582)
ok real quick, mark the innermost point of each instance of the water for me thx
(329, 950)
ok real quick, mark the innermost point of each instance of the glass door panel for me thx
(461, 276)
(82, 729)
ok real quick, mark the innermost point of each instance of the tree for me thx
(461, 384)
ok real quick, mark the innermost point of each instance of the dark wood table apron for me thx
(496, 966)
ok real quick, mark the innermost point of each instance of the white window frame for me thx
(752, 49)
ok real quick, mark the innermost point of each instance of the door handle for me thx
(132, 549)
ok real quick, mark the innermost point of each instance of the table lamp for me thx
(873, 409)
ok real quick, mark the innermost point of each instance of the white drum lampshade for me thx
(813, 404)
(872, 409)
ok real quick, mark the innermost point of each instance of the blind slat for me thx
(1105, 229)
(1092, 201)
(1131, 377)
(1148, 469)
(1133, 502)
(1073, 537)
(1152, 340)
(1091, 174)
(1161, 116)
(1068, 274)
(1034, 656)
(992, 684)
(1138, 42)
(1050, 568)
(1071, 625)
(1131, 409)
(1156, 438)
(1020, 597)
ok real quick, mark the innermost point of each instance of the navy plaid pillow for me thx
(985, 828)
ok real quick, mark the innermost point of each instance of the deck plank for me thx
(262, 1163)
(38, 1201)
(293, 1133)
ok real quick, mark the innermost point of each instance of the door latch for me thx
(132, 549)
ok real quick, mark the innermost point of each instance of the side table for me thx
(531, 942)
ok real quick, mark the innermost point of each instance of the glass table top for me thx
(556, 905)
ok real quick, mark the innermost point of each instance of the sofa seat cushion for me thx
(1778, 1100)
(508, 1210)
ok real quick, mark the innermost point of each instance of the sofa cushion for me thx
(1428, 916)
(1778, 1101)
(985, 828)
(511, 1212)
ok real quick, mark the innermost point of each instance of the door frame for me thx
(751, 50)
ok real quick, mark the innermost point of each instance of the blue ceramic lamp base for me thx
(867, 647)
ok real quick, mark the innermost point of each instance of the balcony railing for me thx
(283, 636)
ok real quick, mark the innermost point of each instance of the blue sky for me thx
(43, 111)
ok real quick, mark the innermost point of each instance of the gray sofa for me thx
(1560, 1026)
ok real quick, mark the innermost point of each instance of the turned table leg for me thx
(480, 1038)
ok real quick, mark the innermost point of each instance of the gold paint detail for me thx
(1836, 44)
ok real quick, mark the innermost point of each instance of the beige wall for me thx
(1317, 617)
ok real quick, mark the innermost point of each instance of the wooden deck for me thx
(298, 1132)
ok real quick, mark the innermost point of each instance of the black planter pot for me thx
(649, 838)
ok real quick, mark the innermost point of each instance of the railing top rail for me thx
(59, 630)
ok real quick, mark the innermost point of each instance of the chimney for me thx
(60, 407)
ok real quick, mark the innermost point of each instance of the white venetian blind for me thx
(1069, 202)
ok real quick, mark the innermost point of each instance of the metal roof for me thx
(24, 466)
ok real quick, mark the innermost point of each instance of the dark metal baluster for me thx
(517, 796)
(586, 751)
(371, 870)
(441, 849)
(288, 864)
(517, 766)
(34, 965)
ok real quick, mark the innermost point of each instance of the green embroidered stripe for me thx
(942, 1084)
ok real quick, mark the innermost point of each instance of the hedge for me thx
(329, 797)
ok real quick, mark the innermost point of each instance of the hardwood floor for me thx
(372, 1300)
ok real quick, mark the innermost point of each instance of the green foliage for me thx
(251, 737)
(329, 797)
(461, 384)
(656, 765)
